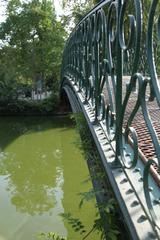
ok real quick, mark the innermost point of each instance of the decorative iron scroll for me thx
(112, 56)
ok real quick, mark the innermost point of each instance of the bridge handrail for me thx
(112, 56)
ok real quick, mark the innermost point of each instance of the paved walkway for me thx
(145, 143)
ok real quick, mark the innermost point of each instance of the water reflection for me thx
(41, 172)
(32, 165)
(31, 184)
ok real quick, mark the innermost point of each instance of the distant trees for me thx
(31, 43)
(77, 9)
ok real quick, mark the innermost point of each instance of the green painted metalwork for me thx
(111, 55)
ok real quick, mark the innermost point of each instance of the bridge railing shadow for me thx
(112, 56)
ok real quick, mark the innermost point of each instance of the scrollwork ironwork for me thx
(104, 59)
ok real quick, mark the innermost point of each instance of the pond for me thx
(42, 173)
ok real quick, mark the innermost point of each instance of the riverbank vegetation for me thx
(29, 107)
(108, 223)
(32, 41)
(31, 46)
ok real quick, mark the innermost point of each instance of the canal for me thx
(42, 173)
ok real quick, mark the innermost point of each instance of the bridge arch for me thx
(68, 96)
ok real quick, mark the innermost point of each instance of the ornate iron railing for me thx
(113, 57)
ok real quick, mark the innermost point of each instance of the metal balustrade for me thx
(112, 62)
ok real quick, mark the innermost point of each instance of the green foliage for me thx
(32, 44)
(109, 208)
(76, 223)
(77, 10)
(112, 233)
(22, 107)
(86, 196)
(51, 236)
(8, 84)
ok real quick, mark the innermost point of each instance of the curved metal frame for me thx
(103, 50)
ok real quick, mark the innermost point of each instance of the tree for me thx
(77, 11)
(33, 41)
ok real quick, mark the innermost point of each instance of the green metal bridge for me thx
(110, 72)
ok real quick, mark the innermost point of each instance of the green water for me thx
(42, 172)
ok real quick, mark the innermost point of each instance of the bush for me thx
(29, 107)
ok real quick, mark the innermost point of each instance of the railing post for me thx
(118, 89)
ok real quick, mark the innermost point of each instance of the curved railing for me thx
(113, 57)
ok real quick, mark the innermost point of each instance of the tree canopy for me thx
(32, 42)
(77, 9)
